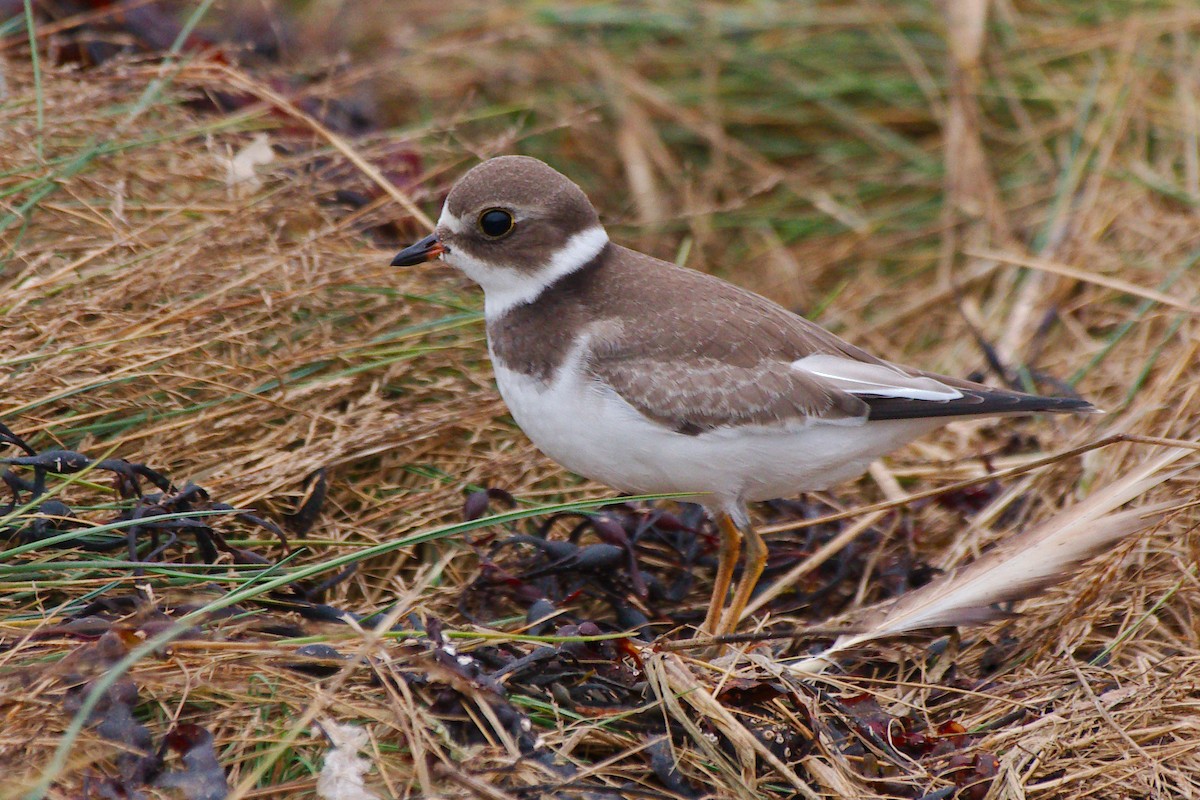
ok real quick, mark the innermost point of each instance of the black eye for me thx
(495, 222)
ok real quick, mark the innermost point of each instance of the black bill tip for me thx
(425, 250)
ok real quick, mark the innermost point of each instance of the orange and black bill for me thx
(427, 249)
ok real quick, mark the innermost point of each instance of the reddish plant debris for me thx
(201, 776)
(146, 535)
(886, 742)
(479, 503)
(114, 718)
(642, 563)
(316, 489)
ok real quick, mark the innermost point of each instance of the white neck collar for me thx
(505, 288)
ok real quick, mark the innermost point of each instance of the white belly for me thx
(592, 431)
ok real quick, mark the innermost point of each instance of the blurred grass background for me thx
(908, 174)
(798, 147)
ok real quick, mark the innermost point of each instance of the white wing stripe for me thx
(857, 377)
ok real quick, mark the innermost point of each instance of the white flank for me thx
(591, 430)
(857, 377)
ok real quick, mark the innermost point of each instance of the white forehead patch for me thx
(451, 222)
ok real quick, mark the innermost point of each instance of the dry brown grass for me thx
(243, 340)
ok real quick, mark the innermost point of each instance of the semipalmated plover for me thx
(653, 378)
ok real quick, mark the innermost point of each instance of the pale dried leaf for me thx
(1021, 568)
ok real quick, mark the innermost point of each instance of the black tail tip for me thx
(1072, 405)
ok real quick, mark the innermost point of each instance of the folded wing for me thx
(701, 395)
(894, 393)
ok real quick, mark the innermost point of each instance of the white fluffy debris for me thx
(342, 772)
(241, 171)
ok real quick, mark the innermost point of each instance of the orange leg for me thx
(756, 562)
(727, 556)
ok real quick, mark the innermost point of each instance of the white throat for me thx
(505, 288)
